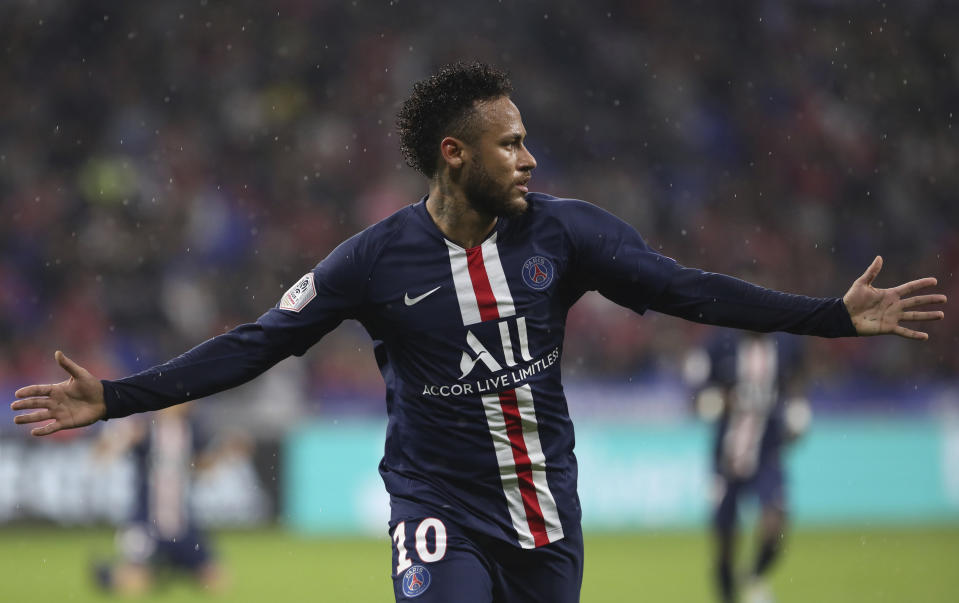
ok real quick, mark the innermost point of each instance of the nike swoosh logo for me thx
(409, 301)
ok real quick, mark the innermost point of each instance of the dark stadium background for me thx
(168, 169)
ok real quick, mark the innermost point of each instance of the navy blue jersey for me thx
(754, 371)
(163, 470)
(469, 342)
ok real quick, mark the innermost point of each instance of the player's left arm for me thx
(880, 311)
(611, 257)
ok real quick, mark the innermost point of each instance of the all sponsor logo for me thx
(415, 581)
(538, 272)
(513, 368)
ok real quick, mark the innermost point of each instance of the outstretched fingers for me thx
(71, 367)
(31, 403)
(33, 397)
(913, 286)
(44, 413)
(33, 417)
(922, 316)
(910, 333)
(923, 300)
(879, 311)
(76, 402)
(871, 272)
(32, 391)
(51, 427)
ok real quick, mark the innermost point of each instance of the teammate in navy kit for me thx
(465, 294)
(755, 379)
(161, 533)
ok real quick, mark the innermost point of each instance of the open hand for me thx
(76, 402)
(879, 311)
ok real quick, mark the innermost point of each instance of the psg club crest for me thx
(538, 272)
(415, 581)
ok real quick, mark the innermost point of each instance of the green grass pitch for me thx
(40, 564)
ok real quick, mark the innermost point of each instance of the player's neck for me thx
(456, 217)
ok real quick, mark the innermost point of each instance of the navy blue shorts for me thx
(768, 485)
(436, 561)
(190, 551)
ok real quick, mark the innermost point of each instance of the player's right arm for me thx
(76, 402)
(330, 293)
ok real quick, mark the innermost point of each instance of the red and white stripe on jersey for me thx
(480, 282)
(522, 466)
(483, 294)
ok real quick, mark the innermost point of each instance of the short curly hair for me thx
(444, 105)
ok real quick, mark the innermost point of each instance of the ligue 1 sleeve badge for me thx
(300, 294)
(538, 272)
(415, 581)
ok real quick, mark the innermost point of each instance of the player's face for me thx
(498, 173)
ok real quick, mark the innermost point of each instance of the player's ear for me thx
(452, 152)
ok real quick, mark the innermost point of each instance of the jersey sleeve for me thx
(320, 300)
(718, 299)
(610, 257)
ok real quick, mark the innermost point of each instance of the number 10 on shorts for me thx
(422, 546)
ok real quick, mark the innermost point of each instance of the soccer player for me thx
(754, 379)
(465, 294)
(162, 533)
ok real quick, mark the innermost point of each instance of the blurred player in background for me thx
(161, 536)
(753, 391)
(465, 294)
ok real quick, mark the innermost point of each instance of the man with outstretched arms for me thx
(465, 294)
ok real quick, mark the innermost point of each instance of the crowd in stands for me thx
(168, 169)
